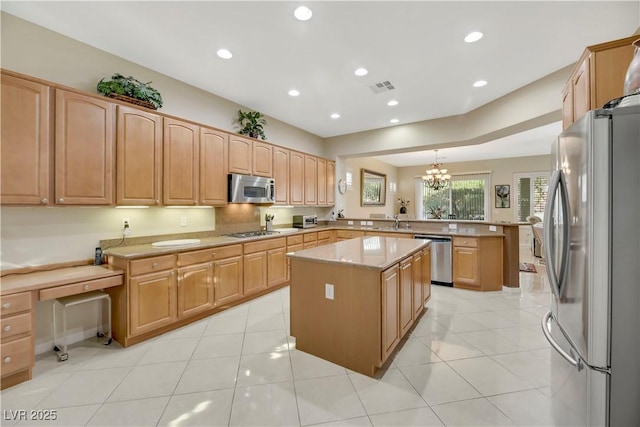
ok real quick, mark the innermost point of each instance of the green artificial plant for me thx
(128, 86)
(251, 123)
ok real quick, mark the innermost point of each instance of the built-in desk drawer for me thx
(15, 325)
(16, 303)
(16, 355)
(151, 265)
(467, 242)
(80, 287)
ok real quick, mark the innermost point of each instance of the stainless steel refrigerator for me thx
(592, 253)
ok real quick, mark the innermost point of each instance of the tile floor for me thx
(473, 359)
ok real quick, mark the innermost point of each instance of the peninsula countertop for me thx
(375, 252)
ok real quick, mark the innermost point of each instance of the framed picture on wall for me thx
(503, 196)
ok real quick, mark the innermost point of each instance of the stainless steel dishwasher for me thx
(441, 267)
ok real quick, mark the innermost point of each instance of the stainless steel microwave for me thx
(251, 189)
(305, 221)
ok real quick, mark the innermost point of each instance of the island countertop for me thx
(375, 252)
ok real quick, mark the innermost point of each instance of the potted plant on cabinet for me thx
(252, 124)
(130, 90)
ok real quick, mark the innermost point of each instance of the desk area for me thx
(19, 293)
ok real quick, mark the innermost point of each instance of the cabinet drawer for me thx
(348, 234)
(15, 325)
(197, 257)
(16, 303)
(16, 355)
(467, 242)
(149, 265)
(79, 288)
(294, 240)
(324, 235)
(310, 237)
(264, 245)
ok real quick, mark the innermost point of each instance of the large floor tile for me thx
(209, 408)
(265, 405)
(265, 321)
(134, 413)
(450, 347)
(265, 342)
(223, 324)
(427, 326)
(414, 352)
(392, 392)
(476, 412)
(459, 323)
(64, 417)
(209, 374)
(351, 422)
(176, 350)
(265, 304)
(264, 368)
(219, 346)
(79, 355)
(411, 417)
(194, 330)
(438, 383)
(116, 357)
(526, 408)
(489, 342)
(528, 366)
(86, 387)
(490, 319)
(488, 377)
(528, 337)
(149, 381)
(327, 399)
(306, 366)
(27, 395)
(519, 317)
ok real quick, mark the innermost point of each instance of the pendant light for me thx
(436, 177)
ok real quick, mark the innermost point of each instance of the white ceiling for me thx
(417, 45)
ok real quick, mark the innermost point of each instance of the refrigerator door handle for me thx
(546, 324)
(557, 183)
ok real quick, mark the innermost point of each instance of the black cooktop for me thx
(252, 234)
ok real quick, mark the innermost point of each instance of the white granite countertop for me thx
(375, 252)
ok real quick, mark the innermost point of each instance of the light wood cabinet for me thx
(390, 310)
(262, 159)
(477, 263)
(26, 143)
(255, 272)
(214, 147)
(181, 147)
(322, 182)
(240, 155)
(331, 183)
(84, 150)
(281, 175)
(310, 239)
(597, 78)
(227, 279)
(265, 264)
(310, 180)
(152, 295)
(296, 178)
(16, 344)
(348, 234)
(138, 157)
(418, 285)
(406, 295)
(195, 289)
(326, 237)
(426, 275)
(277, 273)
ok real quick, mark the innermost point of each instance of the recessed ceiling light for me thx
(293, 92)
(394, 120)
(335, 116)
(473, 37)
(480, 83)
(302, 13)
(361, 72)
(392, 103)
(224, 54)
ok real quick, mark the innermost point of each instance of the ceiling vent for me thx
(382, 87)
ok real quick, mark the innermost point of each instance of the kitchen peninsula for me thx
(353, 301)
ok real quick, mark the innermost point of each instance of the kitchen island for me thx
(353, 301)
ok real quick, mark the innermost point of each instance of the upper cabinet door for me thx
(214, 150)
(296, 178)
(322, 182)
(581, 90)
(181, 147)
(281, 175)
(138, 157)
(262, 159)
(331, 183)
(84, 150)
(240, 155)
(310, 180)
(26, 150)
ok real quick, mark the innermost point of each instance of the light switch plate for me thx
(364, 223)
(492, 228)
(453, 226)
(369, 222)
(328, 291)
(349, 222)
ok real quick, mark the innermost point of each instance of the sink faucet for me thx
(397, 224)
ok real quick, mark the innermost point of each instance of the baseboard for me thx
(46, 346)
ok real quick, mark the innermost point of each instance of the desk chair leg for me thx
(62, 355)
(101, 334)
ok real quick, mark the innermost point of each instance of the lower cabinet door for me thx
(465, 266)
(255, 272)
(227, 279)
(195, 289)
(418, 301)
(153, 301)
(426, 274)
(390, 310)
(277, 266)
(406, 295)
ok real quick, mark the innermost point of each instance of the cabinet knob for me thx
(6, 305)
(44, 201)
(213, 255)
(85, 287)
(154, 265)
(60, 200)
(7, 328)
(7, 359)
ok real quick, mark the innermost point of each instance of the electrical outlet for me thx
(328, 291)
(349, 222)
(453, 226)
(492, 228)
(369, 223)
(183, 221)
(125, 223)
(363, 223)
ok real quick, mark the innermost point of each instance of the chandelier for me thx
(436, 178)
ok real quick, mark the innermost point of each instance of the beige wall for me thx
(351, 200)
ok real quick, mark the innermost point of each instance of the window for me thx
(466, 197)
(531, 189)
